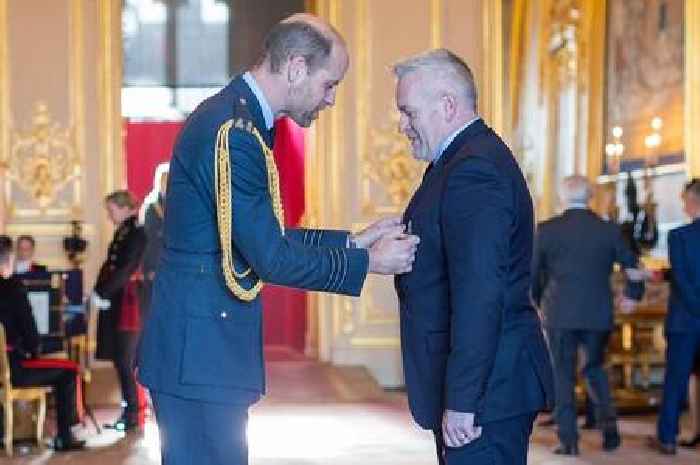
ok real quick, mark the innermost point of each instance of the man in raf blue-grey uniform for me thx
(201, 353)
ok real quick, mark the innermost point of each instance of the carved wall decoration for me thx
(43, 169)
(564, 43)
(390, 167)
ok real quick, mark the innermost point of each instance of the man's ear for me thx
(448, 104)
(297, 70)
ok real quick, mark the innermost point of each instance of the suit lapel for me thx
(429, 175)
(473, 130)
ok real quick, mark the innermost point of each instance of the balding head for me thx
(575, 191)
(303, 35)
(303, 61)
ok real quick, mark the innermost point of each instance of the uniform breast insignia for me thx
(245, 125)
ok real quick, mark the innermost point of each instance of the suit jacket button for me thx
(224, 314)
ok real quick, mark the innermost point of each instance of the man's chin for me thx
(304, 121)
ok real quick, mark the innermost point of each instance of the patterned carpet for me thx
(320, 415)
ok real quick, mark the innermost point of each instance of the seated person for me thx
(24, 251)
(23, 345)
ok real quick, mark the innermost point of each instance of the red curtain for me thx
(149, 143)
(285, 308)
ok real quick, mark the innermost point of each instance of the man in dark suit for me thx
(475, 361)
(153, 209)
(201, 353)
(25, 248)
(682, 320)
(23, 345)
(574, 257)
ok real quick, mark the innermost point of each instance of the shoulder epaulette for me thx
(242, 118)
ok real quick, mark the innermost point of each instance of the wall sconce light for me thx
(615, 149)
(653, 140)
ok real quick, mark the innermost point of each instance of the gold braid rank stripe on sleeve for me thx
(224, 199)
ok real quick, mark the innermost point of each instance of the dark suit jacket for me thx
(153, 227)
(684, 300)
(471, 340)
(574, 257)
(201, 342)
(123, 259)
(18, 320)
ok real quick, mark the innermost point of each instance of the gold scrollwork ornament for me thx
(43, 159)
(391, 165)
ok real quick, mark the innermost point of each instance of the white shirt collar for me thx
(446, 143)
(23, 266)
(264, 105)
(577, 206)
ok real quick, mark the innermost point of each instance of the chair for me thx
(9, 394)
(83, 352)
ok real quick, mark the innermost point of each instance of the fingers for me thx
(390, 221)
(458, 429)
(394, 232)
(458, 436)
(449, 435)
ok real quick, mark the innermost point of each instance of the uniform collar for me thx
(262, 101)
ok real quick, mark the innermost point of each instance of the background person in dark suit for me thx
(116, 292)
(573, 261)
(153, 220)
(201, 353)
(24, 250)
(475, 361)
(23, 344)
(682, 320)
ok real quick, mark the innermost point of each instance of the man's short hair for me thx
(693, 187)
(5, 248)
(443, 66)
(122, 198)
(296, 37)
(576, 189)
(28, 238)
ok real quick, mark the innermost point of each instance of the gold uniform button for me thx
(224, 314)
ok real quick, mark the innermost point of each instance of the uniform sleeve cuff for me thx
(358, 263)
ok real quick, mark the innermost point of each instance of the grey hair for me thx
(297, 37)
(576, 190)
(445, 67)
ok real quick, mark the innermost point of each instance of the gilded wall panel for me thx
(53, 121)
